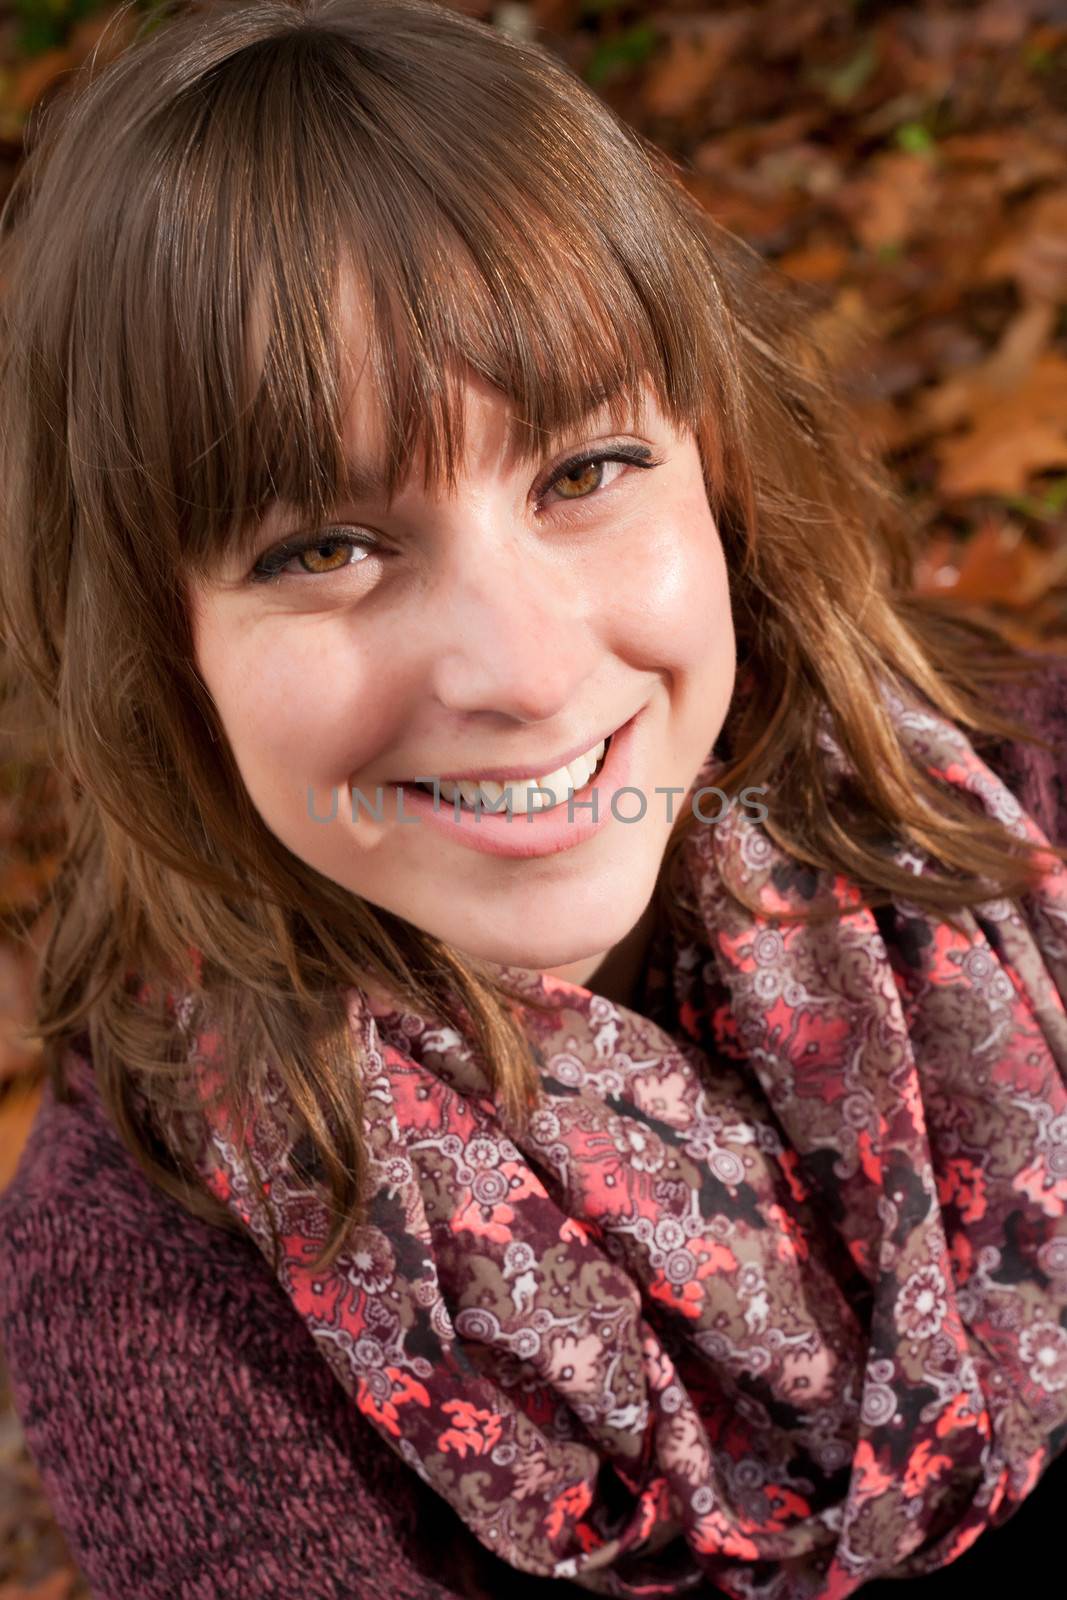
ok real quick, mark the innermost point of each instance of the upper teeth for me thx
(520, 794)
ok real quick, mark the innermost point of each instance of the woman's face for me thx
(511, 625)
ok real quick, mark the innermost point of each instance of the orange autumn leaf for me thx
(57, 1585)
(698, 49)
(1033, 248)
(38, 75)
(817, 262)
(891, 199)
(1011, 435)
(998, 564)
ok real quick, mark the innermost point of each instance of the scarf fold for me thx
(773, 1292)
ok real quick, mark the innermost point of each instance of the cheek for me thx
(670, 592)
(298, 706)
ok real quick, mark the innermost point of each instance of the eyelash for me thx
(270, 567)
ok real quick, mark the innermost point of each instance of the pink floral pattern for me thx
(773, 1293)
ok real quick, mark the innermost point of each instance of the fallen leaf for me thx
(1033, 254)
(887, 205)
(56, 1586)
(1013, 158)
(697, 51)
(819, 262)
(36, 76)
(756, 218)
(975, 387)
(997, 565)
(1011, 436)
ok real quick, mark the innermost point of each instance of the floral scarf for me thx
(773, 1293)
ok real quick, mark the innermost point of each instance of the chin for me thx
(576, 940)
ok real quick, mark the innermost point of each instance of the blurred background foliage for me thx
(908, 162)
(48, 24)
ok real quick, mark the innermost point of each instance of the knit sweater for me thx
(190, 1438)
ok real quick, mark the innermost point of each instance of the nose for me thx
(515, 635)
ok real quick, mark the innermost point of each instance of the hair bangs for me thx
(421, 271)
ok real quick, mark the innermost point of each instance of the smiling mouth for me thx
(538, 793)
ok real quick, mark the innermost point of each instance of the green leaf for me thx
(34, 38)
(47, 24)
(627, 49)
(1024, 504)
(916, 139)
(1055, 498)
(842, 84)
(1052, 500)
(1038, 58)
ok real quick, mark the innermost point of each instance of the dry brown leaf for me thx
(879, 424)
(1001, 22)
(1011, 436)
(57, 1586)
(1012, 158)
(24, 883)
(697, 51)
(815, 262)
(755, 218)
(974, 388)
(746, 143)
(1034, 253)
(936, 565)
(37, 75)
(895, 195)
(107, 32)
(997, 565)
(844, 327)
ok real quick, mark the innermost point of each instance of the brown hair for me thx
(498, 216)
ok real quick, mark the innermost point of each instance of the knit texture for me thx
(190, 1438)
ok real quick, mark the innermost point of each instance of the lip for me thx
(506, 774)
(522, 834)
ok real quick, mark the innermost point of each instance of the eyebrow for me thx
(362, 481)
(359, 481)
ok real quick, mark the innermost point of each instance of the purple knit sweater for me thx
(192, 1441)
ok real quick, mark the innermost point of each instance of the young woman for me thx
(554, 992)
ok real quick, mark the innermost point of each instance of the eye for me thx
(318, 554)
(584, 474)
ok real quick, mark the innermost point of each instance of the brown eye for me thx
(583, 479)
(317, 556)
(327, 552)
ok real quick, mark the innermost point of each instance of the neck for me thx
(615, 972)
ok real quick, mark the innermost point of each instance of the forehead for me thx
(495, 438)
